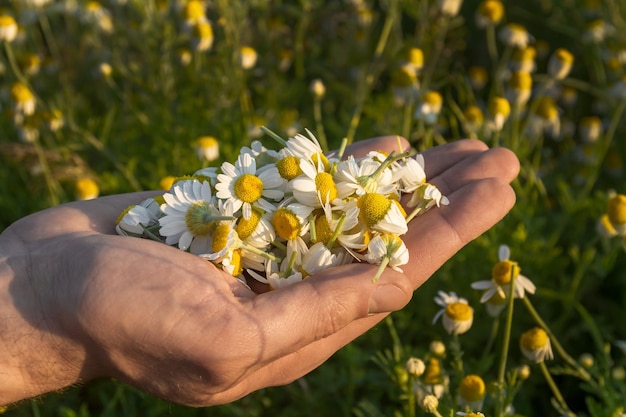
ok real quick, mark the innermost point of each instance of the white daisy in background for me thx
(245, 187)
(207, 148)
(429, 107)
(457, 315)
(472, 392)
(189, 217)
(535, 345)
(387, 250)
(137, 219)
(501, 276)
(8, 28)
(515, 36)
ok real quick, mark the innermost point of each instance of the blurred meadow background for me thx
(114, 96)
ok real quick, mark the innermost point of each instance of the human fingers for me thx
(331, 310)
(496, 163)
(380, 143)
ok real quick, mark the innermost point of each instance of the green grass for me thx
(138, 125)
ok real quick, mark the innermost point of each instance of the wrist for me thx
(35, 355)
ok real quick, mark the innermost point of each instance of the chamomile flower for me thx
(413, 173)
(605, 228)
(8, 28)
(193, 13)
(489, 13)
(590, 128)
(279, 276)
(415, 366)
(315, 187)
(382, 214)
(95, 14)
(523, 59)
(317, 88)
(190, 215)
(207, 148)
(519, 88)
(535, 345)
(433, 381)
(457, 316)
(245, 188)
(429, 107)
(502, 273)
(304, 147)
(385, 250)
(290, 222)
(24, 101)
(515, 35)
(319, 257)
(545, 119)
(404, 85)
(424, 198)
(449, 8)
(202, 36)
(560, 63)
(87, 189)
(473, 119)
(340, 228)
(478, 77)
(248, 57)
(137, 218)
(472, 392)
(257, 230)
(499, 110)
(616, 212)
(366, 175)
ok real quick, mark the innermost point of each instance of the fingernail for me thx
(385, 299)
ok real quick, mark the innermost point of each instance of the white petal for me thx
(504, 253)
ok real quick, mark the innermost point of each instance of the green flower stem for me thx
(555, 343)
(555, 390)
(260, 252)
(492, 48)
(282, 142)
(337, 231)
(506, 339)
(365, 86)
(381, 268)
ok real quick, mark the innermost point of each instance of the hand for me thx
(78, 302)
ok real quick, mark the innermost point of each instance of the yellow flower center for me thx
(167, 182)
(617, 209)
(492, 10)
(7, 21)
(289, 167)
(246, 227)
(521, 80)
(197, 219)
(220, 237)
(193, 10)
(547, 108)
(316, 158)
(323, 232)
(499, 105)
(564, 56)
(236, 260)
(533, 339)
(527, 54)
(123, 213)
(203, 30)
(459, 311)
(433, 98)
(472, 388)
(503, 271)
(325, 185)
(86, 188)
(207, 142)
(21, 93)
(473, 114)
(93, 6)
(415, 56)
(248, 188)
(432, 375)
(373, 208)
(286, 224)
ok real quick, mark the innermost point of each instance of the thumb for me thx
(323, 304)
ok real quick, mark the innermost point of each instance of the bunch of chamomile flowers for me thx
(279, 216)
